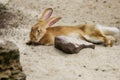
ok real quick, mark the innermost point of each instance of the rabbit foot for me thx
(110, 41)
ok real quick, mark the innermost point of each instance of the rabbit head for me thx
(39, 29)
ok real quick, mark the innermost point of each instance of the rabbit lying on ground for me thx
(43, 33)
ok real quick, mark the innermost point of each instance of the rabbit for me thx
(44, 33)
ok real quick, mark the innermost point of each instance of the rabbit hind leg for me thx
(100, 39)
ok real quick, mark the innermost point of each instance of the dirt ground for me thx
(48, 63)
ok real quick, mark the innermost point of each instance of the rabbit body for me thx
(44, 34)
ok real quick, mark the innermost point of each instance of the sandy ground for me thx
(48, 63)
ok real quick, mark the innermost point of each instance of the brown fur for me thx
(43, 34)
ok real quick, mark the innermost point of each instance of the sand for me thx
(47, 62)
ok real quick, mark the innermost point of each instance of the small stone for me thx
(104, 1)
(79, 75)
(74, 21)
(96, 69)
(25, 53)
(96, 0)
(84, 66)
(103, 70)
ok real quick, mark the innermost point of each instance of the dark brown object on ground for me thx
(71, 44)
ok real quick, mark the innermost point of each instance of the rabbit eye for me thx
(38, 30)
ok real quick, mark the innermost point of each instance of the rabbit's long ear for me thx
(46, 14)
(53, 21)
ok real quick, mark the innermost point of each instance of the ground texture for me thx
(48, 63)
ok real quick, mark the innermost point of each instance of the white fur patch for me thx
(73, 39)
(108, 30)
(93, 39)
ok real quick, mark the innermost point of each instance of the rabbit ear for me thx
(46, 14)
(53, 21)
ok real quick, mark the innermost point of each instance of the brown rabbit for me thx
(42, 32)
